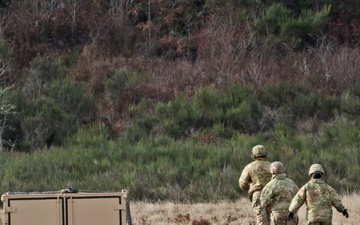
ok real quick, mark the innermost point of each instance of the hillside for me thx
(117, 55)
(176, 93)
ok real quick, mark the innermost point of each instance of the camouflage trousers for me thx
(262, 214)
(280, 217)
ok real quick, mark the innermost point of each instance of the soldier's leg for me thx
(268, 213)
(294, 221)
(260, 212)
(280, 218)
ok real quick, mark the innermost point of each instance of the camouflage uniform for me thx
(253, 178)
(277, 195)
(319, 198)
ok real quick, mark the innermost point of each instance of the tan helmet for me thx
(258, 151)
(316, 168)
(277, 167)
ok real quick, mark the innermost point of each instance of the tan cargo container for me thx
(64, 208)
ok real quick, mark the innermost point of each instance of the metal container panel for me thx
(82, 208)
(32, 210)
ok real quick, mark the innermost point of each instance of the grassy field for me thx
(220, 213)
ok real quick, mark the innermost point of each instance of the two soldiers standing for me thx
(274, 195)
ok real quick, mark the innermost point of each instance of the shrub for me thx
(290, 28)
(72, 99)
(299, 99)
(178, 116)
(118, 84)
(51, 117)
(350, 103)
(237, 109)
(41, 73)
(163, 168)
(49, 106)
(329, 107)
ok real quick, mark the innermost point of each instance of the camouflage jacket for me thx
(319, 198)
(255, 175)
(278, 193)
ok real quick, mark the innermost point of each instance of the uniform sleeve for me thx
(295, 186)
(266, 195)
(298, 200)
(245, 180)
(336, 200)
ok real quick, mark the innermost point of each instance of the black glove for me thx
(290, 216)
(345, 213)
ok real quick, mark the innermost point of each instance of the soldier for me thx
(277, 195)
(253, 179)
(319, 198)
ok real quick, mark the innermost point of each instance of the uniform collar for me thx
(279, 176)
(260, 159)
(316, 180)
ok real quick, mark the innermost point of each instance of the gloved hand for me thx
(290, 216)
(345, 213)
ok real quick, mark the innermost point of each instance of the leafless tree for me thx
(6, 109)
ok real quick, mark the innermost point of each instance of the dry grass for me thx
(221, 213)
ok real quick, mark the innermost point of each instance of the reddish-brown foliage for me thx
(177, 45)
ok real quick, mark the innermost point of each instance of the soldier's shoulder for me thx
(272, 182)
(253, 163)
(249, 164)
(247, 167)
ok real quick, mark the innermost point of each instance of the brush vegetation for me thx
(167, 98)
(184, 151)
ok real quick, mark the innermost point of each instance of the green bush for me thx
(41, 73)
(238, 109)
(350, 103)
(49, 107)
(299, 101)
(163, 168)
(72, 98)
(329, 107)
(206, 107)
(49, 118)
(118, 84)
(276, 16)
(290, 28)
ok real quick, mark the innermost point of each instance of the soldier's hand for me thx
(345, 213)
(290, 216)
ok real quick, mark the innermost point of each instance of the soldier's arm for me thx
(298, 200)
(336, 200)
(245, 180)
(266, 195)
